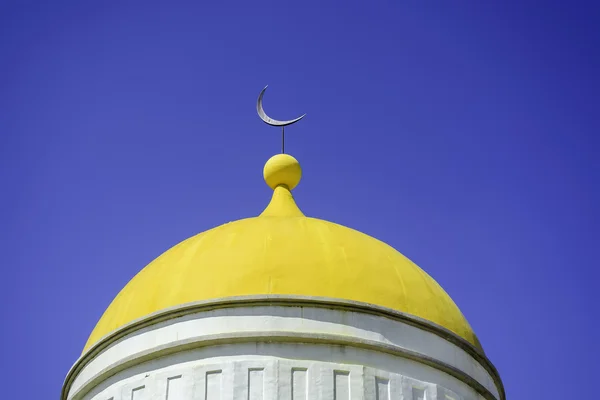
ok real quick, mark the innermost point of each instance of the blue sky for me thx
(464, 134)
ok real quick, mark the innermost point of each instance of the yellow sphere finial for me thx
(282, 169)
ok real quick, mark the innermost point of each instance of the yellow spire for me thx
(282, 173)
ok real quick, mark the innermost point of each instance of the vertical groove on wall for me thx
(382, 389)
(174, 388)
(418, 394)
(255, 383)
(341, 385)
(138, 393)
(299, 384)
(212, 385)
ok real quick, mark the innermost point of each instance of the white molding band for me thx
(277, 319)
(323, 370)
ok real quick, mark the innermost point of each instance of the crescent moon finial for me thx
(269, 120)
(273, 122)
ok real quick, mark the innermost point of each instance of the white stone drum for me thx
(288, 348)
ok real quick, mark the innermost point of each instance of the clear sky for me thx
(464, 134)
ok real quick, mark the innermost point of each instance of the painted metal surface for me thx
(283, 252)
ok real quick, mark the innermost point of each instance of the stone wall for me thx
(283, 352)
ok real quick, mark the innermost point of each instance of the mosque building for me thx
(282, 307)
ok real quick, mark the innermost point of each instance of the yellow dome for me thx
(285, 253)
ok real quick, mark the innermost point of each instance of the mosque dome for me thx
(283, 252)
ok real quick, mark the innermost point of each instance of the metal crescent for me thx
(269, 120)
